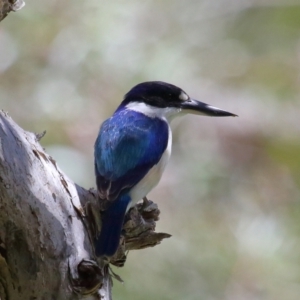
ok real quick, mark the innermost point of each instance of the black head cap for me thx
(161, 94)
(156, 93)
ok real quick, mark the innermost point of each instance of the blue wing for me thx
(127, 147)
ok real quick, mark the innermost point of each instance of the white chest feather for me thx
(152, 177)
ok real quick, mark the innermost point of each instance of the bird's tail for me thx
(112, 221)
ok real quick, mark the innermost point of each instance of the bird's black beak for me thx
(199, 108)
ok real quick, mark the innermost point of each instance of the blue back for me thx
(128, 145)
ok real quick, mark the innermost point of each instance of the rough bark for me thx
(7, 6)
(47, 225)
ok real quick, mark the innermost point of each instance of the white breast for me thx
(152, 177)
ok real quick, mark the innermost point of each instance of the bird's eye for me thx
(183, 96)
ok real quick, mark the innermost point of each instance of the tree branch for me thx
(7, 6)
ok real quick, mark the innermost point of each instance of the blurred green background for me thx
(230, 194)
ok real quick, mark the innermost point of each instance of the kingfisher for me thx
(132, 149)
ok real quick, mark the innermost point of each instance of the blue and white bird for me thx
(133, 148)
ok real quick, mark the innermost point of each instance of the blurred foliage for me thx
(230, 195)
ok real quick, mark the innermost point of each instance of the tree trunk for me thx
(47, 224)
